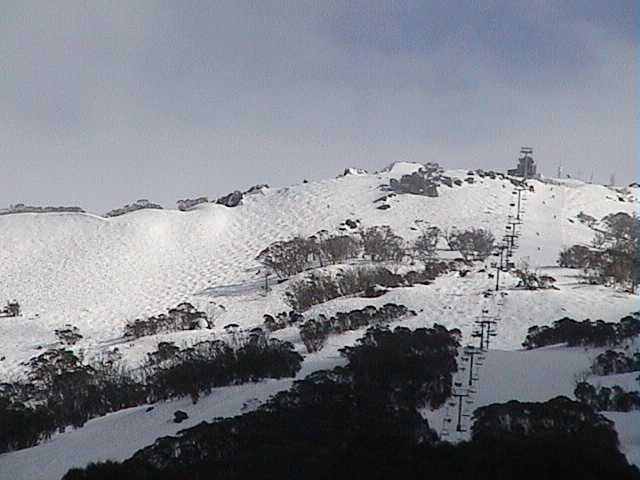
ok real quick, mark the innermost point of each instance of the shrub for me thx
(68, 336)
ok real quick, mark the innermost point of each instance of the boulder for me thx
(232, 200)
(179, 416)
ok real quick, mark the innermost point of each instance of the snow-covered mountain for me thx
(100, 273)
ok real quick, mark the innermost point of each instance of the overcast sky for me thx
(105, 102)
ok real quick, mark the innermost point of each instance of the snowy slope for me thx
(99, 273)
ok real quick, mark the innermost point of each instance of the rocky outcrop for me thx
(22, 208)
(235, 198)
(189, 203)
(137, 205)
(231, 200)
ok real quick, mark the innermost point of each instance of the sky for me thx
(103, 102)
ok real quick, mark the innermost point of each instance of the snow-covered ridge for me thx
(99, 273)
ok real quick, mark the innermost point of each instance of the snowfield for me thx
(99, 273)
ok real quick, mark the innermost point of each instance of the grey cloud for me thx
(105, 102)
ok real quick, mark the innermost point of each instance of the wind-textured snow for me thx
(99, 273)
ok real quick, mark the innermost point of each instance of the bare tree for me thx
(425, 245)
(473, 243)
(382, 244)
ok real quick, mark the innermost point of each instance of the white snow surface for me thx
(99, 273)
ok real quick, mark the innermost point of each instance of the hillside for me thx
(100, 273)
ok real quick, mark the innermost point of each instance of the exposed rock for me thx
(448, 181)
(374, 291)
(141, 204)
(384, 206)
(189, 203)
(353, 171)
(417, 184)
(256, 189)
(22, 208)
(232, 200)
(179, 416)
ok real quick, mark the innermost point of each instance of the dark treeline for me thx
(612, 362)
(585, 333)
(314, 332)
(196, 370)
(361, 421)
(614, 399)
(62, 391)
(328, 413)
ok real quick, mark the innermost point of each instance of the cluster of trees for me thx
(320, 287)
(183, 317)
(314, 332)
(330, 418)
(290, 257)
(614, 399)
(132, 207)
(612, 362)
(195, 370)
(362, 421)
(376, 244)
(614, 257)
(585, 333)
(281, 320)
(472, 243)
(63, 391)
(531, 280)
(70, 335)
(514, 420)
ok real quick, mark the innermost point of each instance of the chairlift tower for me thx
(460, 396)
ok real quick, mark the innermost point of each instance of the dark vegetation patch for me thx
(320, 287)
(330, 418)
(613, 362)
(614, 399)
(361, 421)
(63, 391)
(183, 317)
(314, 332)
(585, 333)
(614, 257)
